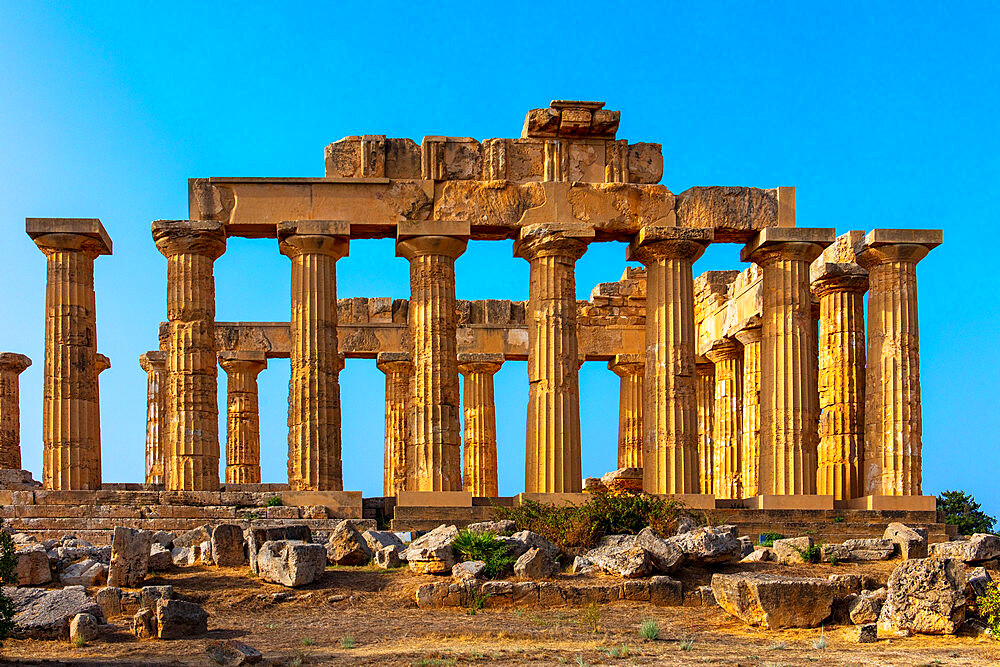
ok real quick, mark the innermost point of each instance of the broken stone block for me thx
(291, 563)
(84, 628)
(665, 555)
(746, 546)
(43, 614)
(228, 546)
(470, 569)
(346, 546)
(622, 557)
(708, 545)
(205, 553)
(623, 479)
(868, 633)
(230, 652)
(502, 527)
(164, 539)
(773, 601)
(33, 566)
(761, 555)
(181, 556)
(665, 591)
(160, 559)
(976, 550)
(925, 596)
(150, 595)
(789, 550)
(910, 542)
(379, 539)
(109, 599)
(87, 573)
(869, 549)
(194, 536)
(582, 565)
(534, 564)
(519, 543)
(389, 557)
(432, 553)
(834, 553)
(179, 619)
(865, 608)
(129, 557)
(144, 624)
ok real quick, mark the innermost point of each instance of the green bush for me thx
(810, 554)
(573, 527)
(989, 608)
(273, 501)
(8, 577)
(767, 539)
(474, 545)
(961, 509)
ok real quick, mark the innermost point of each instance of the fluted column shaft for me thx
(314, 436)
(480, 478)
(552, 455)
(192, 425)
(727, 418)
(750, 430)
(893, 426)
(398, 369)
(242, 416)
(70, 460)
(103, 364)
(841, 384)
(789, 400)
(705, 400)
(155, 365)
(11, 367)
(670, 414)
(631, 368)
(434, 456)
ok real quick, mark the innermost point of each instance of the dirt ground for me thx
(364, 616)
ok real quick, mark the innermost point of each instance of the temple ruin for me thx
(741, 391)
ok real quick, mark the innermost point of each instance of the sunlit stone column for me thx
(630, 368)
(750, 429)
(480, 477)
(103, 364)
(314, 437)
(70, 456)
(155, 365)
(893, 427)
(789, 400)
(434, 459)
(192, 426)
(841, 289)
(552, 454)
(705, 399)
(398, 369)
(670, 414)
(727, 355)
(11, 367)
(242, 415)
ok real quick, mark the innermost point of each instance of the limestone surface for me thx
(33, 566)
(910, 542)
(42, 614)
(129, 557)
(291, 563)
(774, 601)
(976, 550)
(84, 628)
(925, 596)
(179, 619)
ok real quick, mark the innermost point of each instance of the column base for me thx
(554, 498)
(433, 499)
(790, 502)
(339, 503)
(898, 503)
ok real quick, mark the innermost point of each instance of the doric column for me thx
(789, 402)
(750, 436)
(841, 290)
(103, 364)
(242, 415)
(11, 366)
(727, 355)
(155, 365)
(434, 456)
(314, 444)
(70, 456)
(631, 368)
(192, 425)
(480, 478)
(552, 446)
(705, 400)
(893, 426)
(670, 414)
(398, 369)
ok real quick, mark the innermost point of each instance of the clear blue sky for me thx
(881, 115)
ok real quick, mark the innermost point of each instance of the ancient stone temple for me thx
(752, 389)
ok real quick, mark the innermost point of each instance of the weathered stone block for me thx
(291, 563)
(179, 619)
(773, 601)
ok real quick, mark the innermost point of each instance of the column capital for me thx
(724, 349)
(194, 237)
(320, 237)
(12, 361)
(880, 246)
(394, 362)
(827, 278)
(245, 361)
(627, 365)
(654, 242)
(772, 244)
(480, 362)
(553, 240)
(748, 336)
(415, 238)
(79, 234)
(154, 360)
(103, 363)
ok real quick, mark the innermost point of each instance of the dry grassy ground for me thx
(363, 616)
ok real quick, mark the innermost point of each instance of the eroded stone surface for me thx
(925, 596)
(774, 601)
(291, 563)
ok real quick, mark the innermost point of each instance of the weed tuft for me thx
(649, 629)
(590, 617)
(686, 645)
(347, 641)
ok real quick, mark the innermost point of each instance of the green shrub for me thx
(273, 501)
(768, 539)
(961, 509)
(347, 641)
(605, 513)
(649, 629)
(473, 545)
(590, 617)
(989, 608)
(8, 577)
(811, 554)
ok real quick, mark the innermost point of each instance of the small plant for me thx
(820, 644)
(8, 577)
(79, 641)
(590, 617)
(580, 662)
(347, 641)
(474, 545)
(767, 539)
(811, 554)
(617, 651)
(989, 608)
(838, 519)
(477, 602)
(780, 646)
(273, 501)
(649, 629)
(961, 509)
(686, 645)
(307, 642)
